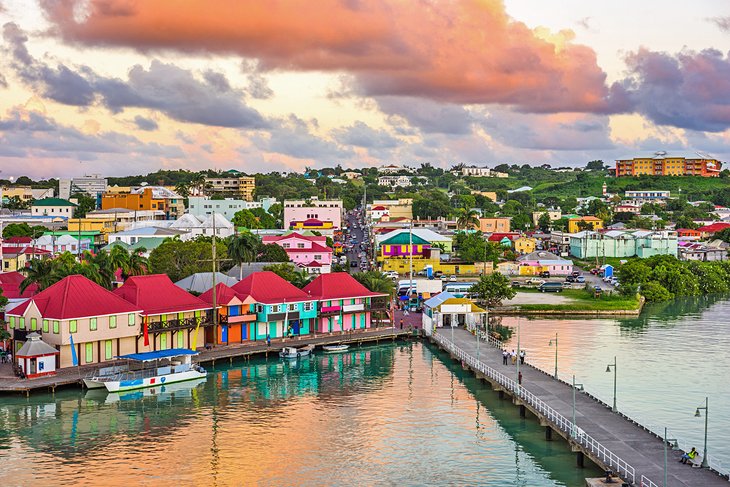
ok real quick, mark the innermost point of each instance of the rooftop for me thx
(156, 294)
(267, 287)
(52, 202)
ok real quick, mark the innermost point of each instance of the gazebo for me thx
(36, 358)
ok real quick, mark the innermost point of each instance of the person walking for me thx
(522, 357)
(505, 356)
(514, 357)
(268, 340)
(519, 378)
(401, 323)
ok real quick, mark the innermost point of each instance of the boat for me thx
(160, 392)
(149, 369)
(94, 380)
(293, 352)
(335, 348)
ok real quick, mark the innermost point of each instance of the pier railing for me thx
(560, 422)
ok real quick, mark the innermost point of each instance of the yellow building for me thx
(525, 245)
(402, 266)
(401, 208)
(494, 225)
(91, 225)
(663, 163)
(575, 225)
(241, 187)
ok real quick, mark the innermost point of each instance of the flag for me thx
(145, 330)
(194, 345)
(74, 358)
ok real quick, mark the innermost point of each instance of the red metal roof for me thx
(267, 287)
(76, 297)
(314, 248)
(19, 240)
(715, 227)
(337, 285)
(379, 208)
(156, 294)
(279, 238)
(10, 285)
(224, 295)
(25, 250)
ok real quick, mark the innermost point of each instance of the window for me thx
(89, 355)
(22, 323)
(300, 245)
(33, 324)
(55, 326)
(72, 326)
(92, 324)
(308, 306)
(292, 307)
(318, 257)
(130, 319)
(108, 350)
(12, 322)
(45, 326)
(112, 322)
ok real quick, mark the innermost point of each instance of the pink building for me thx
(344, 303)
(324, 216)
(310, 253)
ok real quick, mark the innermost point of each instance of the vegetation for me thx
(376, 281)
(585, 299)
(180, 259)
(243, 248)
(288, 272)
(492, 289)
(23, 230)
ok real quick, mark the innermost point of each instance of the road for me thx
(352, 254)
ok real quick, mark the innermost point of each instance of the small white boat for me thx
(293, 352)
(150, 369)
(335, 348)
(95, 379)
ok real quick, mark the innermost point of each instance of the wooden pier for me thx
(222, 354)
(609, 439)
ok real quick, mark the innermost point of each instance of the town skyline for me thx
(95, 88)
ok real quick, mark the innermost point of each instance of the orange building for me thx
(142, 200)
(663, 163)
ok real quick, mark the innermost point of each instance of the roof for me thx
(18, 240)
(155, 294)
(76, 297)
(186, 221)
(539, 255)
(668, 155)
(424, 233)
(151, 231)
(454, 300)
(404, 239)
(158, 354)
(438, 299)
(223, 295)
(378, 208)
(306, 235)
(267, 287)
(35, 347)
(337, 285)
(158, 192)
(248, 269)
(587, 218)
(314, 248)
(202, 281)
(10, 286)
(52, 202)
(220, 221)
(714, 227)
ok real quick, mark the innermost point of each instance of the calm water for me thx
(386, 415)
(669, 359)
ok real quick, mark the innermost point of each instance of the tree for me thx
(272, 253)
(467, 219)
(243, 248)
(40, 272)
(301, 278)
(471, 247)
(85, 204)
(17, 230)
(180, 259)
(544, 223)
(595, 166)
(286, 270)
(245, 219)
(376, 282)
(431, 204)
(686, 222)
(265, 220)
(493, 289)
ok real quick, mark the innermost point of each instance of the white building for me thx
(53, 207)
(131, 237)
(476, 171)
(201, 206)
(392, 169)
(59, 244)
(394, 181)
(638, 198)
(194, 226)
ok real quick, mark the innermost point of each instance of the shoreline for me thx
(519, 310)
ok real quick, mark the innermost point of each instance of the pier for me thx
(609, 439)
(221, 354)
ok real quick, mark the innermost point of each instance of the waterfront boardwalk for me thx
(633, 444)
(73, 375)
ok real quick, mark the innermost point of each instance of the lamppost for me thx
(608, 369)
(573, 430)
(556, 354)
(697, 415)
(519, 382)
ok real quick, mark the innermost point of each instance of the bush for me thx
(654, 292)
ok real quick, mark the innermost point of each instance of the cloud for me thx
(362, 135)
(689, 90)
(453, 52)
(722, 22)
(144, 123)
(428, 116)
(174, 91)
(293, 137)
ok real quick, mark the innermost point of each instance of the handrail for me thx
(645, 482)
(561, 422)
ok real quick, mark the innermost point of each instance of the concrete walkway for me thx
(631, 442)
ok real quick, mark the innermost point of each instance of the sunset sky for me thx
(121, 87)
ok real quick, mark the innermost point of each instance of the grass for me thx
(583, 300)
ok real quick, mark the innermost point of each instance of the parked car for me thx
(545, 274)
(535, 281)
(515, 283)
(551, 287)
(575, 273)
(353, 263)
(452, 279)
(580, 279)
(570, 279)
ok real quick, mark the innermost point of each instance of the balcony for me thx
(244, 318)
(185, 323)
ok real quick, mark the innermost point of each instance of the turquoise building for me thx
(623, 244)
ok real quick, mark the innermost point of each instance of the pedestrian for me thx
(522, 357)
(405, 312)
(514, 357)
(519, 378)
(401, 323)
(268, 340)
(505, 356)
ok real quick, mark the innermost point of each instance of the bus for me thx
(459, 289)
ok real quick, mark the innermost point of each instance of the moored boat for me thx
(293, 352)
(151, 369)
(335, 348)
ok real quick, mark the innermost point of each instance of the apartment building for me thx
(240, 187)
(663, 163)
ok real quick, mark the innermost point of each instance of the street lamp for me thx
(608, 369)
(697, 415)
(556, 354)
(573, 430)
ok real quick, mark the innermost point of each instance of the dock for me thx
(609, 439)
(72, 376)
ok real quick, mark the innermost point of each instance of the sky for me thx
(119, 87)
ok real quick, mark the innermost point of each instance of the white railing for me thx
(645, 482)
(600, 452)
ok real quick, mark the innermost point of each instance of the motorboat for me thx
(95, 379)
(149, 369)
(293, 352)
(335, 348)
(160, 392)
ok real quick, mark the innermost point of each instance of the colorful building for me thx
(662, 163)
(146, 198)
(535, 263)
(241, 186)
(580, 223)
(16, 258)
(102, 324)
(53, 207)
(403, 245)
(170, 316)
(281, 308)
(490, 225)
(313, 214)
(435, 240)
(623, 244)
(344, 303)
(525, 245)
(708, 231)
(236, 314)
(308, 252)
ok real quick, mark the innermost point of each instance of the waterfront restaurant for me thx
(102, 324)
(236, 314)
(170, 315)
(282, 309)
(344, 303)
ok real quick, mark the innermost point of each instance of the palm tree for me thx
(243, 248)
(301, 278)
(376, 282)
(119, 259)
(138, 263)
(467, 219)
(183, 189)
(39, 271)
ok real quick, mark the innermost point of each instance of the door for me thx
(272, 330)
(89, 355)
(180, 340)
(329, 323)
(108, 352)
(295, 327)
(224, 334)
(163, 341)
(33, 366)
(362, 320)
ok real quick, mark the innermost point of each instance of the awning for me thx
(159, 354)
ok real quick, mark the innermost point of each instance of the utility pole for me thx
(215, 301)
(410, 260)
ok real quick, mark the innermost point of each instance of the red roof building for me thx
(303, 250)
(713, 228)
(337, 285)
(267, 287)
(18, 241)
(10, 286)
(236, 313)
(101, 324)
